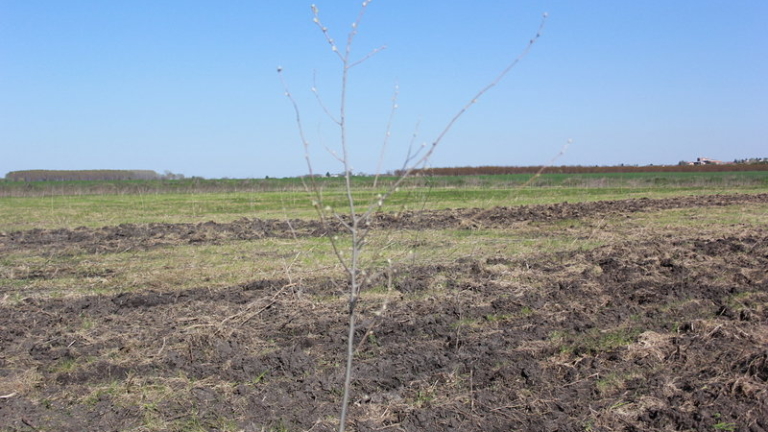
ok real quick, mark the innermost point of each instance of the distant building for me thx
(707, 161)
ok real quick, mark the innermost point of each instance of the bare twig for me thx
(30, 425)
(250, 315)
(320, 100)
(387, 135)
(369, 55)
(378, 315)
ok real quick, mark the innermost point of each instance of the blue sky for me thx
(191, 86)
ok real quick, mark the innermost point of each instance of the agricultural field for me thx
(572, 303)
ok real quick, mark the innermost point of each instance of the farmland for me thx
(572, 302)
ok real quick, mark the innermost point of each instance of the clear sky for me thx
(191, 86)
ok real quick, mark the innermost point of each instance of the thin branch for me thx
(353, 33)
(551, 162)
(333, 154)
(369, 55)
(313, 188)
(320, 100)
(299, 124)
(339, 255)
(380, 313)
(378, 203)
(387, 134)
(408, 156)
(341, 220)
(538, 174)
(425, 157)
(493, 83)
(324, 29)
(302, 135)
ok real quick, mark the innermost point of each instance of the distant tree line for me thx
(497, 170)
(89, 175)
(752, 161)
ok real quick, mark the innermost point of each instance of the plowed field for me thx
(661, 324)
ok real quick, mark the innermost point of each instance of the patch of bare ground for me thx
(657, 333)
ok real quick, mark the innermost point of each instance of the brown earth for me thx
(665, 332)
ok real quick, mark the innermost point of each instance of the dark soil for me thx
(668, 333)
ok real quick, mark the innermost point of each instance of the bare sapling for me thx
(356, 220)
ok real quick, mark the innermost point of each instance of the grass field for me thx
(93, 204)
(164, 309)
(507, 181)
